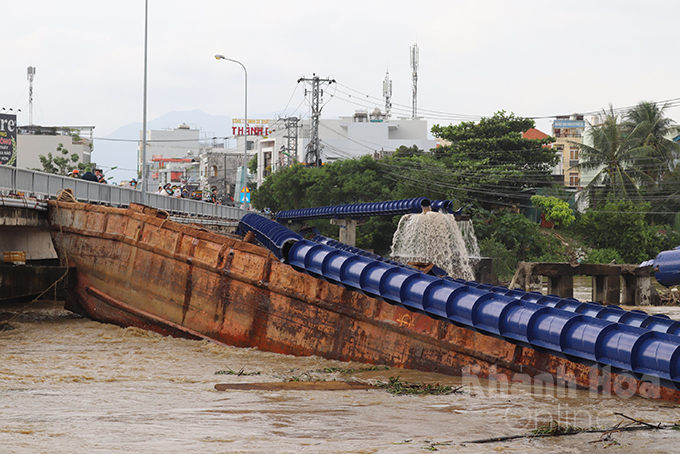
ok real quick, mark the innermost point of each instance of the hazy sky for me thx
(533, 58)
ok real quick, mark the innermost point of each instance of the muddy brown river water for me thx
(72, 385)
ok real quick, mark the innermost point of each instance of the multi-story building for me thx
(568, 133)
(343, 138)
(34, 140)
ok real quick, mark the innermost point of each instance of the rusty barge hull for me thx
(137, 268)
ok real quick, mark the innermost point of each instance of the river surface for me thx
(72, 385)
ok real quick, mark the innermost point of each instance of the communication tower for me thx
(414, 68)
(31, 74)
(387, 93)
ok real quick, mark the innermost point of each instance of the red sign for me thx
(252, 130)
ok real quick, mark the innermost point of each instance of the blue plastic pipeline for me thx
(666, 267)
(273, 236)
(443, 206)
(581, 332)
(355, 250)
(636, 318)
(356, 210)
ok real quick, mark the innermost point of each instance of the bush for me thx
(504, 262)
(620, 225)
(605, 255)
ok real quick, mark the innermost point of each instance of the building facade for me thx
(34, 140)
(568, 134)
(348, 137)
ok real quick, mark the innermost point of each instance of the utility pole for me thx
(414, 67)
(31, 75)
(314, 147)
(387, 93)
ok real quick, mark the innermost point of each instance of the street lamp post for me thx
(245, 129)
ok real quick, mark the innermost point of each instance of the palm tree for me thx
(610, 150)
(648, 127)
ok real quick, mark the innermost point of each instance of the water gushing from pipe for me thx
(432, 237)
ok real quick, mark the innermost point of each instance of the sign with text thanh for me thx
(256, 127)
(8, 140)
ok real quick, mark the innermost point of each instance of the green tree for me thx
(555, 210)
(620, 225)
(60, 165)
(490, 161)
(610, 149)
(648, 126)
(520, 236)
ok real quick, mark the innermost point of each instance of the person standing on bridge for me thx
(89, 176)
(100, 176)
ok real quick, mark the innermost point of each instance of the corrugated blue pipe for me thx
(355, 250)
(666, 267)
(636, 318)
(443, 206)
(273, 236)
(356, 210)
(530, 319)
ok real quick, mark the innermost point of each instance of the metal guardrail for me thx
(43, 186)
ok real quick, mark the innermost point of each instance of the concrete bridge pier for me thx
(637, 282)
(348, 230)
(561, 285)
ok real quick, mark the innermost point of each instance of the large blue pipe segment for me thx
(443, 206)
(515, 316)
(355, 250)
(666, 267)
(356, 210)
(273, 236)
(636, 318)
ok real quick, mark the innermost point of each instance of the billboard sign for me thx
(8, 140)
(256, 127)
(569, 124)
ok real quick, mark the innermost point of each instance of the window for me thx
(214, 171)
(573, 153)
(573, 179)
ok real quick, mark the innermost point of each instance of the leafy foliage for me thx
(620, 225)
(605, 255)
(61, 165)
(491, 160)
(555, 210)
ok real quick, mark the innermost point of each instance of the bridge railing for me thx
(44, 186)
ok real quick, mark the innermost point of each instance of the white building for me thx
(34, 140)
(342, 138)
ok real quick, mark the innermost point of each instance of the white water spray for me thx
(436, 238)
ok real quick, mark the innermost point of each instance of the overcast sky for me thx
(533, 58)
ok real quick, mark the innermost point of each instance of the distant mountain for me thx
(122, 152)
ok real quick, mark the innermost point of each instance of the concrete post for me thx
(562, 286)
(348, 230)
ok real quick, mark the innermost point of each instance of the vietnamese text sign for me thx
(8, 140)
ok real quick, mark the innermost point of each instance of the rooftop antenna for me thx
(387, 93)
(31, 74)
(414, 67)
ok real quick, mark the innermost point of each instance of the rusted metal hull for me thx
(135, 268)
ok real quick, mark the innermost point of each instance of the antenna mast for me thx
(31, 74)
(414, 67)
(387, 93)
(314, 147)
